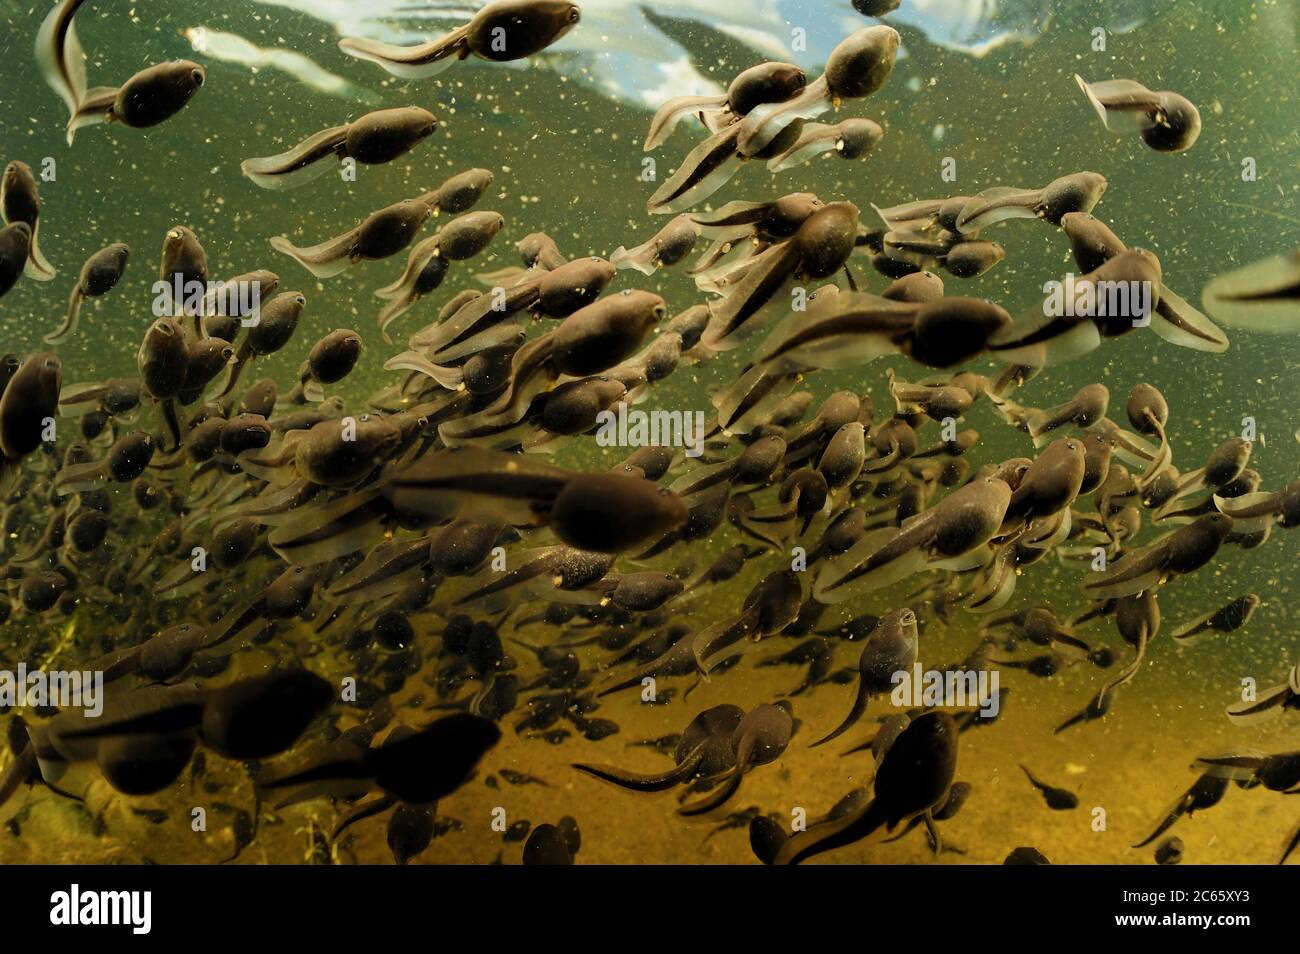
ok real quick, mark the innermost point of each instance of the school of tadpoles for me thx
(419, 532)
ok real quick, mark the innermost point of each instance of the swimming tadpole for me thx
(262, 716)
(761, 738)
(100, 273)
(1269, 703)
(151, 96)
(126, 460)
(20, 201)
(341, 453)
(1173, 318)
(819, 248)
(163, 361)
(592, 340)
(972, 259)
(183, 269)
(429, 261)
(459, 193)
(962, 522)
(771, 82)
(146, 99)
(703, 750)
(162, 657)
(330, 360)
(377, 137)
(381, 234)
(602, 513)
(15, 243)
(573, 285)
(1226, 619)
(850, 329)
(551, 844)
(29, 400)
(1263, 296)
(665, 248)
(501, 31)
(226, 309)
(414, 766)
(1057, 799)
(143, 765)
(858, 67)
(890, 648)
(1184, 551)
(1076, 192)
(1226, 463)
(876, 8)
(849, 139)
(1086, 407)
(598, 336)
(913, 778)
(771, 606)
(1277, 772)
(277, 322)
(1049, 485)
(410, 831)
(1167, 122)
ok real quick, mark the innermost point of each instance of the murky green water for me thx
(567, 159)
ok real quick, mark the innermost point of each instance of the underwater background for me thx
(988, 84)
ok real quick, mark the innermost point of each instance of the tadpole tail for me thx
(19, 771)
(722, 793)
(174, 427)
(1290, 845)
(830, 835)
(860, 703)
(1172, 815)
(363, 811)
(645, 783)
(233, 371)
(69, 325)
